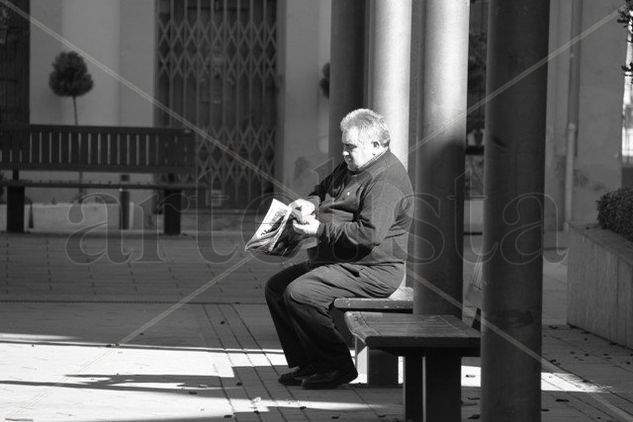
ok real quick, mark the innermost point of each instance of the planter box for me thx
(600, 283)
(69, 217)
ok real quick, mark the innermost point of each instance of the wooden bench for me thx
(381, 367)
(433, 346)
(161, 151)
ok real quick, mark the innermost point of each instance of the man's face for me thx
(357, 152)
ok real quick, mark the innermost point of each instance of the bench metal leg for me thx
(15, 209)
(413, 389)
(442, 380)
(381, 367)
(124, 209)
(171, 211)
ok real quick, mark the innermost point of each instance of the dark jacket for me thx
(365, 215)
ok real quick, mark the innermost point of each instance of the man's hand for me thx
(302, 209)
(309, 228)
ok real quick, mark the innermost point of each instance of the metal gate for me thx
(14, 62)
(216, 68)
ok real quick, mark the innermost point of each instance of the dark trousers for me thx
(299, 299)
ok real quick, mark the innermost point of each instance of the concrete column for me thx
(513, 211)
(389, 67)
(439, 155)
(347, 66)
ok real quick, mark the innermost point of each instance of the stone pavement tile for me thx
(56, 364)
(239, 339)
(72, 290)
(246, 368)
(22, 290)
(259, 377)
(602, 381)
(94, 383)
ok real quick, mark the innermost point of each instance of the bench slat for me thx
(369, 304)
(390, 331)
(399, 301)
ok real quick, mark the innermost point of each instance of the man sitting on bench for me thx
(360, 216)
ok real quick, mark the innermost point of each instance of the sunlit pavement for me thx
(153, 328)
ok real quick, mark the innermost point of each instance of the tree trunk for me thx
(81, 174)
(75, 110)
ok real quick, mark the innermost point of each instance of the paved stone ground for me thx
(152, 328)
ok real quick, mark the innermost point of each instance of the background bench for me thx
(432, 386)
(159, 151)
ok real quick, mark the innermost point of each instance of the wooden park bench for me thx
(433, 346)
(381, 367)
(160, 151)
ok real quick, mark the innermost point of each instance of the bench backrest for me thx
(96, 148)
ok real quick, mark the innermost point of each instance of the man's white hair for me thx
(371, 126)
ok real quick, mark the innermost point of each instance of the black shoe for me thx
(295, 377)
(330, 379)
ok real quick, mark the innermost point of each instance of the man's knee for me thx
(300, 293)
(276, 285)
(271, 289)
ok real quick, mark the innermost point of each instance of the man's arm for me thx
(302, 208)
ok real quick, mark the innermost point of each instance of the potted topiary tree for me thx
(70, 77)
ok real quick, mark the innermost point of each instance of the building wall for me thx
(46, 107)
(304, 49)
(598, 167)
(557, 96)
(116, 39)
(137, 61)
(121, 35)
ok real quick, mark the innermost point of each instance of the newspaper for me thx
(275, 235)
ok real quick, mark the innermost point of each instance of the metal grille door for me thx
(14, 62)
(217, 69)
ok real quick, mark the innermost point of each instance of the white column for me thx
(389, 68)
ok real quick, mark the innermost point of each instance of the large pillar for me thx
(347, 66)
(513, 212)
(440, 93)
(439, 153)
(389, 65)
(388, 84)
